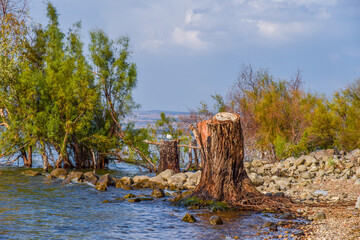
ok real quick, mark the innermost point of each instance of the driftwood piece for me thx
(179, 145)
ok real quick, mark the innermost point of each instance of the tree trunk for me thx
(190, 159)
(27, 157)
(102, 162)
(196, 159)
(169, 156)
(223, 176)
(45, 161)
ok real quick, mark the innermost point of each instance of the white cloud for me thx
(280, 30)
(191, 17)
(189, 39)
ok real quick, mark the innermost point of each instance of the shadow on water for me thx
(39, 208)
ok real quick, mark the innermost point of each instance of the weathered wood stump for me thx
(169, 156)
(223, 176)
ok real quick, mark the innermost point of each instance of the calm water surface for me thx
(39, 208)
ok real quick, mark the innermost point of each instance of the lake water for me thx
(39, 208)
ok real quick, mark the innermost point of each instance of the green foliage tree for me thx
(279, 118)
(116, 75)
(53, 101)
(346, 108)
(14, 87)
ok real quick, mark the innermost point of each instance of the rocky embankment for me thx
(309, 178)
(167, 179)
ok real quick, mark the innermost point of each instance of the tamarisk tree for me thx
(57, 103)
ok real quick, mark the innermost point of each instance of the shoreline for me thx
(320, 183)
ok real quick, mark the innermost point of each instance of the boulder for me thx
(59, 173)
(349, 165)
(100, 187)
(274, 170)
(134, 200)
(158, 193)
(127, 187)
(190, 185)
(261, 171)
(283, 172)
(66, 181)
(330, 151)
(106, 180)
(355, 153)
(301, 168)
(314, 169)
(90, 175)
(143, 178)
(127, 180)
(177, 180)
(357, 205)
(189, 218)
(256, 179)
(158, 180)
(118, 183)
(273, 187)
(76, 176)
(322, 155)
(167, 174)
(357, 173)
(309, 161)
(289, 162)
(195, 177)
(284, 184)
(318, 216)
(216, 220)
(130, 195)
(300, 161)
(30, 173)
(256, 163)
(91, 178)
(308, 175)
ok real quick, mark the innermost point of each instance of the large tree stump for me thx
(169, 156)
(223, 176)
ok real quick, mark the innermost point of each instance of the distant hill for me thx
(144, 118)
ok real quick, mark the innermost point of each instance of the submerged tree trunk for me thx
(169, 156)
(27, 157)
(223, 176)
(45, 161)
(102, 162)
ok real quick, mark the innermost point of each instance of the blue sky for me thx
(187, 50)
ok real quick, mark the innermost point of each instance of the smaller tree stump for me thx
(169, 156)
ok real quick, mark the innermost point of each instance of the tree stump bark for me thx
(169, 156)
(223, 176)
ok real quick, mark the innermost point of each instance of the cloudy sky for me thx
(188, 50)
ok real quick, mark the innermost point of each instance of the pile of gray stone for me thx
(293, 175)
